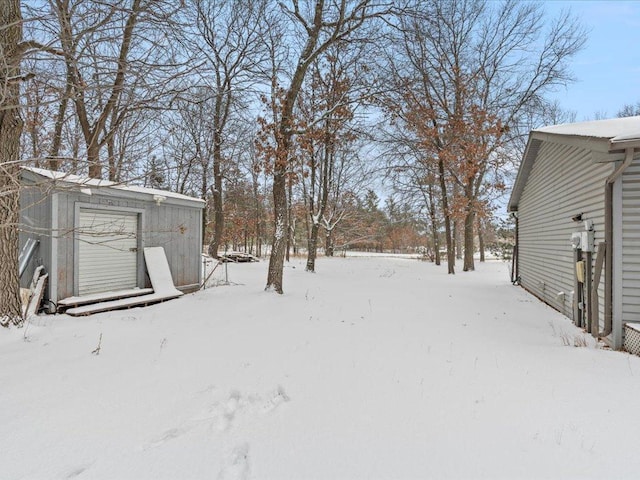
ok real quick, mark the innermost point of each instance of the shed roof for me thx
(121, 189)
(600, 136)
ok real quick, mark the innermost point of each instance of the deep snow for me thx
(371, 368)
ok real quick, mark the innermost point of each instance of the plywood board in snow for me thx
(159, 273)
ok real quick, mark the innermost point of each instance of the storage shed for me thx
(577, 202)
(91, 233)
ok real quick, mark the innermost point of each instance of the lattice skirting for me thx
(632, 338)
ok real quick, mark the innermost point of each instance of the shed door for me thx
(107, 251)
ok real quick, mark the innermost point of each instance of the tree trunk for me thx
(434, 226)
(469, 222)
(54, 161)
(114, 159)
(469, 226)
(312, 246)
(279, 243)
(458, 244)
(10, 305)
(91, 132)
(339, 30)
(33, 134)
(10, 129)
(218, 207)
(328, 243)
(93, 159)
(481, 240)
(258, 220)
(112, 163)
(451, 255)
(204, 191)
(290, 232)
(218, 217)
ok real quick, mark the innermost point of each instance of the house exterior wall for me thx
(564, 181)
(630, 310)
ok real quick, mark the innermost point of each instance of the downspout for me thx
(516, 256)
(608, 239)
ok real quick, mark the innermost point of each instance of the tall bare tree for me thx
(326, 112)
(231, 34)
(319, 24)
(10, 130)
(468, 71)
(12, 51)
(81, 35)
(118, 59)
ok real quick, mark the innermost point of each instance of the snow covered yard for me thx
(371, 368)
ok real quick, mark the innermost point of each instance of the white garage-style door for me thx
(107, 251)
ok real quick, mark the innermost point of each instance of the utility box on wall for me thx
(583, 241)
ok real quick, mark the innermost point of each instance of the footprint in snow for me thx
(237, 466)
(221, 415)
(166, 436)
(224, 414)
(77, 471)
(275, 399)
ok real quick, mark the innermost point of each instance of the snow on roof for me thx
(603, 136)
(614, 129)
(98, 183)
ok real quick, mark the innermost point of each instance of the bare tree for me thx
(12, 51)
(319, 24)
(468, 72)
(231, 42)
(327, 113)
(629, 110)
(118, 60)
(10, 130)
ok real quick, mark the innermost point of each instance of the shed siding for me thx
(175, 224)
(563, 182)
(35, 222)
(177, 229)
(161, 226)
(631, 243)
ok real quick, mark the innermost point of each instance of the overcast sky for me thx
(608, 69)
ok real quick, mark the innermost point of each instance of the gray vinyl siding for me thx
(631, 243)
(563, 182)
